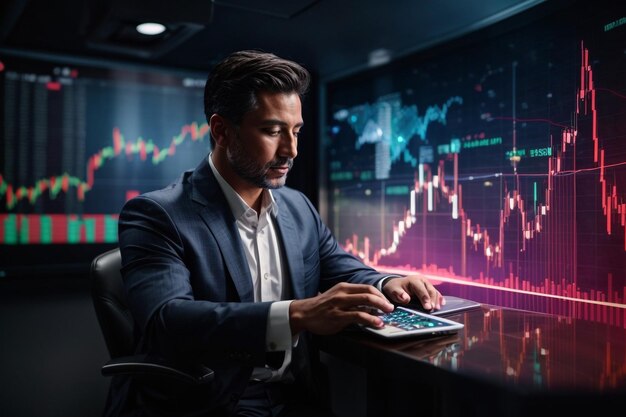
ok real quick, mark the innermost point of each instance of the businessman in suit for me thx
(229, 268)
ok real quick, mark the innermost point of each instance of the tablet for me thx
(404, 322)
(453, 305)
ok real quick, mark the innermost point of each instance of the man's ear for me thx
(220, 128)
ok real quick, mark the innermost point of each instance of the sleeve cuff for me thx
(381, 282)
(278, 334)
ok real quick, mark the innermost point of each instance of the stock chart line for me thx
(145, 149)
(533, 218)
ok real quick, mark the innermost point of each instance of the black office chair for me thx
(116, 323)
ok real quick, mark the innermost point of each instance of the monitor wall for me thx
(80, 138)
(494, 164)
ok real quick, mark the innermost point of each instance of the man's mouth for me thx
(280, 169)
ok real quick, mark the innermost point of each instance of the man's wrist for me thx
(384, 280)
(296, 317)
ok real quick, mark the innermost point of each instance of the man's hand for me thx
(343, 304)
(400, 290)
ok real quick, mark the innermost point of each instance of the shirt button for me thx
(266, 275)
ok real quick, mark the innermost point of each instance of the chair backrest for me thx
(109, 299)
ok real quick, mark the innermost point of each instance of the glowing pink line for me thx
(496, 287)
(610, 91)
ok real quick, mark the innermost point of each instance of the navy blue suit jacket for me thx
(190, 290)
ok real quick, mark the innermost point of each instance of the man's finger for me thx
(419, 290)
(357, 288)
(398, 295)
(369, 300)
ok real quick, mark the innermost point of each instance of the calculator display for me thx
(405, 322)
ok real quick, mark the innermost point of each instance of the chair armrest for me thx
(152, 366)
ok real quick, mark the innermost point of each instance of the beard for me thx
(247, 168)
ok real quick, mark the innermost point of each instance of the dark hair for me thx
(232, 85)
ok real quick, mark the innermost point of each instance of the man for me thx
(228, 268)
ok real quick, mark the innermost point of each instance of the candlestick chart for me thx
(78, 140)
(495, 165)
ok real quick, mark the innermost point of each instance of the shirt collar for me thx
(237, 205)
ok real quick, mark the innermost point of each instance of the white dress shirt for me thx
(265, 259)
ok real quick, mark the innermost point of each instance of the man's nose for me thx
(289, 146)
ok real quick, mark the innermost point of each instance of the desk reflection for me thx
(532, 359)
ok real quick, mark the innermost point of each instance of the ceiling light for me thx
(379, 57)
(150, 28)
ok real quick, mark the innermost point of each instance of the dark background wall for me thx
(51, 349)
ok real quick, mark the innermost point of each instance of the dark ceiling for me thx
(330, 37)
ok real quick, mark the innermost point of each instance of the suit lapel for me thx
(219, 219)
(225, 232)
(291, 244)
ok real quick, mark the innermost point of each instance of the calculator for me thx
(403, 322)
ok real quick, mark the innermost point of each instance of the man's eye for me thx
(273, 132)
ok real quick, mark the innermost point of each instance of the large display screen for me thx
(79, 139)
(495, 164)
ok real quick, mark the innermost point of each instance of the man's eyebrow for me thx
(274, 122)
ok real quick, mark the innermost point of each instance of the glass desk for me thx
(503, 362)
